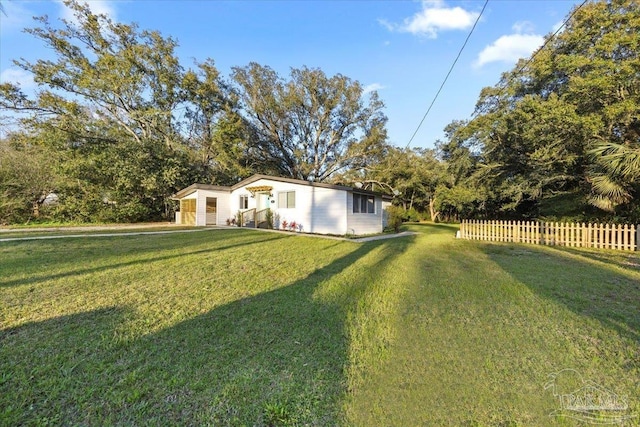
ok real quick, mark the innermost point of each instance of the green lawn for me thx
(241, 327)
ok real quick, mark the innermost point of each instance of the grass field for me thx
(239, 327)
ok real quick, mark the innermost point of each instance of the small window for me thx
(287, 199)
(244, 201)
(363, 203)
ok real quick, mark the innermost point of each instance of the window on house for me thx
(244, 201)
(287, 199)
(363, 203)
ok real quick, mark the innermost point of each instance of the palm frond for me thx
(620, 160)
(608, 193)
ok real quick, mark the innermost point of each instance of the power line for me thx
(449, 73)
(551, 37)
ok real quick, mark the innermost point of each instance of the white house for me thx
(313, 207)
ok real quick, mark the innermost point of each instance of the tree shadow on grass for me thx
(605, 350)
(140, 259)
(276, 358)
(572, 278)
(625, 259)
(50, 370)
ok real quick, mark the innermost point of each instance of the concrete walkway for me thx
(132, 233)
(88, 227)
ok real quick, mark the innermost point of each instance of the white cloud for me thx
(97, 7)
(557, 26)
(372, 87)
(510, 48)
(18, 76)
(523, 27)
(434, 17)
(15, 17)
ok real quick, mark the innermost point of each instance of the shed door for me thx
(212, 211)
(188, 211)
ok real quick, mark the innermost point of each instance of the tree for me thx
(560, 122)
(27, 177)
(113, 96)
(597, 58)
(410, 175)
(216, 131)
(311, 126)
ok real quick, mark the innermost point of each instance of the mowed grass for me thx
(238, 327)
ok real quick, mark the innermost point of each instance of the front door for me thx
(262, 201)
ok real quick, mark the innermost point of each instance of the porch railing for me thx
(247, 217)
(254, 218)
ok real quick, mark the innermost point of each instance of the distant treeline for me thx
(117, 126)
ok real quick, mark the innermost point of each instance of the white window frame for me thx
(287, 199)
(244, 201)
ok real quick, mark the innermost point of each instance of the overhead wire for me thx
(547, 41)
(448, 73)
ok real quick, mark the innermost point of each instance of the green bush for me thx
(269, 218)
(394, 220)
(411, 215)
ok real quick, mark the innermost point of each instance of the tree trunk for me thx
(432, 209)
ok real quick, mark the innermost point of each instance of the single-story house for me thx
(314, 207)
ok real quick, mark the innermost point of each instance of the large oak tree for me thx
(129, 122)
(310, 126)
(566, 121)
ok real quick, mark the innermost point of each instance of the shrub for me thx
(269, 218)
(411, 215)
(394, 220)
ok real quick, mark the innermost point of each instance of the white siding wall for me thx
(364, 223)
(317, 209)
(234, 201)
(224, 212)
(326, 204)
(201, 206)
(385, 215)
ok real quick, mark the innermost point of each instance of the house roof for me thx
(193, 187)
(258, 177)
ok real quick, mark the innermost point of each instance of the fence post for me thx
(542, 232)
(638, 237)
(531, 232)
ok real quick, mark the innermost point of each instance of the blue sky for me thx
(402, 49)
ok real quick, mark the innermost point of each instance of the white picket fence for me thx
(603, 236)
